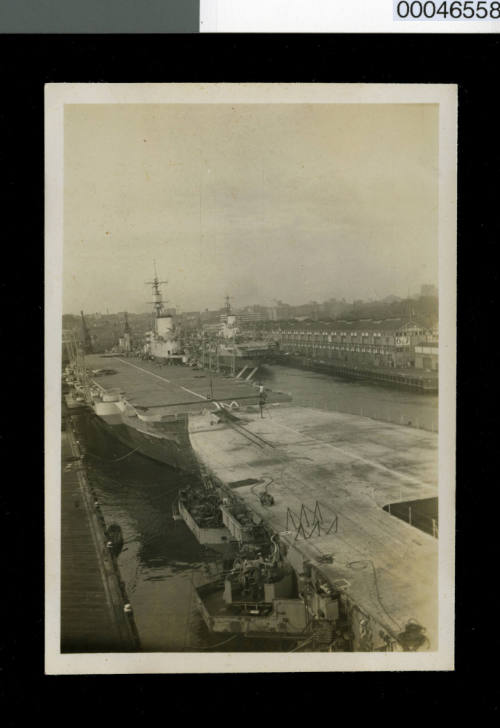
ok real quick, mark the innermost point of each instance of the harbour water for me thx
(356, 397)
(161, 560)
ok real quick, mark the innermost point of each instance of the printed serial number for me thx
(454, 10)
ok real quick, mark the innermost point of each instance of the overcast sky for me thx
(260, 202)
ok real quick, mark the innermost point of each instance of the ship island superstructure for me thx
(163, 341)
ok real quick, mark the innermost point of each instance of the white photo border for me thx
(56, 97)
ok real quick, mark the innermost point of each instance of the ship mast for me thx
(72, 344)
(227, 309)
(87, 340)
(76, 355)
(157, 302)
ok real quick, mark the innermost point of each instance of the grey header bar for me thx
(99, 16)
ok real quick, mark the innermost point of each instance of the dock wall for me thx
(95, 612)
(408, 379)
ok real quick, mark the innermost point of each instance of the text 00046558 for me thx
(453, 10)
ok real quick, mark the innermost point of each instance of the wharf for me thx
(408, 378)
(176, 388)
(330, 475)
(92, 604)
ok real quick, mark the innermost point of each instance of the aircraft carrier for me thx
(147, 405)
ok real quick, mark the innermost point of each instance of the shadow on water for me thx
(143, 491)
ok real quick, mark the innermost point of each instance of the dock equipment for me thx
(332, 474)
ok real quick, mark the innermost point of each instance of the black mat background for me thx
(26, 63)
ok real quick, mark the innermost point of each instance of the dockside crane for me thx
(87, 339)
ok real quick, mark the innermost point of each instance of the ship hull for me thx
(148, 411)
(176, 453)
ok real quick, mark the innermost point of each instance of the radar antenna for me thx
(157, 302)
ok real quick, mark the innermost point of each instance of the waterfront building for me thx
(252, 315)
(281, 311)
(426, 356)
(366, 343)
(209, 317)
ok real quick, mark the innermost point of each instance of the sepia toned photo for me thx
(250, 389)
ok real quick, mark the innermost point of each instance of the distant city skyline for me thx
(390, 298)
(260, 202)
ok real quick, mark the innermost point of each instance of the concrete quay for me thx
(330, 475)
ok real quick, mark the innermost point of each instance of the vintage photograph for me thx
(251, 393)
